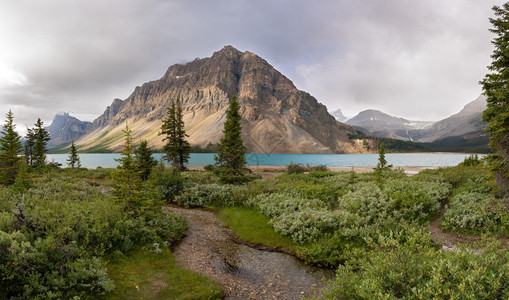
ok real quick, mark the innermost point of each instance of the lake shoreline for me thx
(356, 169)
(340, 162)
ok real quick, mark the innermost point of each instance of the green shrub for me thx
(318, 169)
(472, 160)
(475, 212)
(407, 265)
(200, 177)
(208, 195)
(294, 168)
(289, 200)
(55, 250)
(47, 269)
(168, 226)
(167, 182)
(416, 200)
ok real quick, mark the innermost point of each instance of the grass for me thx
(250, 225)
(148, 275)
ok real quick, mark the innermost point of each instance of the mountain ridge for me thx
(276, 116)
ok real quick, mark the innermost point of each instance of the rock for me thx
(66, 128)
(277, 117)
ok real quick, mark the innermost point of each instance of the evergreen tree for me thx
(144, 160)
(126, 176)
(74, 159)
(177, 149)
(10, 147)
(169, 129)
(42, 138)
(231, 151)
(496, 88)
(29, 146)
(22, 182)
(382, 163)
(183, 147)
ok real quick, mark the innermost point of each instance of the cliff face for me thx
(468, 122)
(66, 128)
(277, 118)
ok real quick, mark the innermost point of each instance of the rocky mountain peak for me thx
(66, 128)
(228, 51)
(277, 118)
(475, 107)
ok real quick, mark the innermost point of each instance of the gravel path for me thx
(243, 272)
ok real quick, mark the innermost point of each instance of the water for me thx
(107, 160)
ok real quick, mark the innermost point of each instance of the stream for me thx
(244, 272)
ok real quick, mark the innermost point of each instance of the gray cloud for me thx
(415, 59)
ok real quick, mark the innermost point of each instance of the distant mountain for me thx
(462, 132)
(383, 125)
(339, 115)
(276, 116)
(66, 128)
(468, 123)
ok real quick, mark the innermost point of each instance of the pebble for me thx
(243, 272)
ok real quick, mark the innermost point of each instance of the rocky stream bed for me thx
(244, 272)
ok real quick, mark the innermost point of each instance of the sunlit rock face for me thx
(276, 116)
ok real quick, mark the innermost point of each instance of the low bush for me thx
(208, 195)
(294, 168)
(475, 212)
(48, 269)
(53, 246)
(407, 265)
(167, 182)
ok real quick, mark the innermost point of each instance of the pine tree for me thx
(22, 182)
(10, 147)
(496, 88)
(144, 160)
(169, 129)
(183, 147)
(382, 163)
(74, 159)
(177, 149)
(231, 151)
(126, 176)
(42, 138)
(29, 146)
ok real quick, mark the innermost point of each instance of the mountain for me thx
(383, 125)
(338, 114)
(66, 128)
(461, 132)
(468, 122)
(276, 116)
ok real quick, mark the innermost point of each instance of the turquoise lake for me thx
(107, 160)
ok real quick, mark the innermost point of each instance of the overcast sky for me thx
(420, 60)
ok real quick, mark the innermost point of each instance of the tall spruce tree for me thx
(183, 147)
(496, 88)
(29, 146)
(10, 147)
(169, 130)
(144, 160)
(126, 176)
(176, 149)
(74, 159)
(231, 156)
(41, 139)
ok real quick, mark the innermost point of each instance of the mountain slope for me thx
(459, 132)
(338, 114)
(277, 118)
(468, 122)
(66, 128)
(383, 125)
